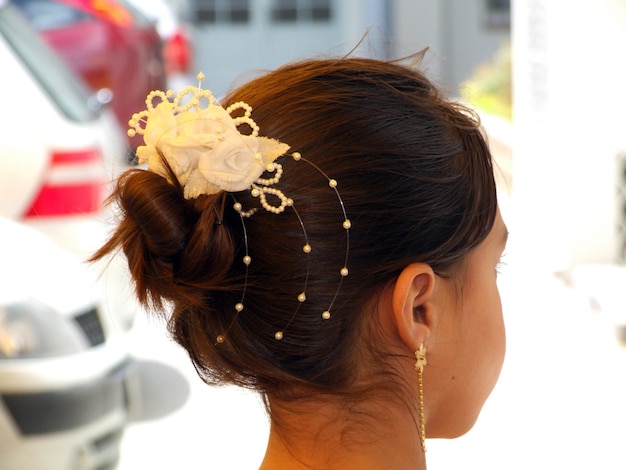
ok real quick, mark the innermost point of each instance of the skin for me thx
(459, 320)
(466, 344)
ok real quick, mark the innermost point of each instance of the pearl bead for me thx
(301, 297)
(237, 206)
(332, 183)
(296, 156)
(306, 248)
(239, 307)
(343, 271)
(278, 335)
(255, 192)
(347, 224)
(247, 260)
(220, 339)
(325, 314)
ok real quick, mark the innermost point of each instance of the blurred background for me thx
(87, 381)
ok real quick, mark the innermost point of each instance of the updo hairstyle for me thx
(415, 174)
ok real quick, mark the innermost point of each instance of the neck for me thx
(329, 436)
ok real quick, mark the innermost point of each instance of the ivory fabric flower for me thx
(203, 145)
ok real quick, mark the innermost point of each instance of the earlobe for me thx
(411, 304)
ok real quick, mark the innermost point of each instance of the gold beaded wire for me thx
(346, 224)
(260, 189)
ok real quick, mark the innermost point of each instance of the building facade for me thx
(233, 38)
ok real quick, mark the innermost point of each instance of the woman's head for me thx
(415, 178)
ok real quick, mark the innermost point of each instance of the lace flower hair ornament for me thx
(202, 144)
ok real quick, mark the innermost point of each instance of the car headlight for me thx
(32, 329)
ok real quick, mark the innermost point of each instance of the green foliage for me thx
(489, 87)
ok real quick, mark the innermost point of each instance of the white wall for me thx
(455, 32)
(569, 80)
(417, 25)
(227, 53)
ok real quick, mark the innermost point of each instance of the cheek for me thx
(473, 366)
(499, 334)
(490, 341)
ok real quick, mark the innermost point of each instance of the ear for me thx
(411, 304)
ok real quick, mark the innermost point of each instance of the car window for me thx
(44, 14)
(51, 14)
(68, 93)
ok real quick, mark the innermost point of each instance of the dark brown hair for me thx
(414, 172)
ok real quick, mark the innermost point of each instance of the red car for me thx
(115, 49)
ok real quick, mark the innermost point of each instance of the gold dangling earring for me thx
(420, 355)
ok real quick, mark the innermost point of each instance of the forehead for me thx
(499, 231)
(491, 246)
(496, 239)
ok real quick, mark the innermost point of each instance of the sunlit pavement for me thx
(185, 424)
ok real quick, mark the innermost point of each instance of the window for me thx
(498, 14)
(222, 11)
(291, 11)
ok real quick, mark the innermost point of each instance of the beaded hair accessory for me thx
(202, 144)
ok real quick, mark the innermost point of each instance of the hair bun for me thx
(157, 208)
